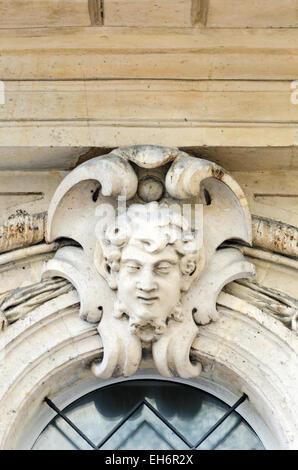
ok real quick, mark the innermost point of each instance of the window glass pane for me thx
(190, 410)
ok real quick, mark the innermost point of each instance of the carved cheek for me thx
(171, 285)
(124, 282)
(131, 283)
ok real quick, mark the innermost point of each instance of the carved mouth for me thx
(147, 300)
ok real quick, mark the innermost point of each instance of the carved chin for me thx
(147, 331)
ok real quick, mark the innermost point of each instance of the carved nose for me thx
(147, 282)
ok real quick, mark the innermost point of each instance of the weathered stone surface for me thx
(148, 13)
(144, 53)
(280, 306)
(22, 229)
(18, 303)
(43, 13)
(252, 13)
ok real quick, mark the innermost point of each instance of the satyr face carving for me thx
(150, 256)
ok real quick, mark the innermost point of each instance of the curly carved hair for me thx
(154, 226)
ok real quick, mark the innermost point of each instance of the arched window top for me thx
(144, 413)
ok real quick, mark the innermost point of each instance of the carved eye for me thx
(163, 268)
(132, 267)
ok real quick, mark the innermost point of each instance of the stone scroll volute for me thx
(151, 226)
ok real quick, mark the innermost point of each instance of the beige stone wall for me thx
(124, 72)
(212, 77)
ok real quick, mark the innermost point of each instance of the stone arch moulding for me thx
(49, 353)
(56, 349)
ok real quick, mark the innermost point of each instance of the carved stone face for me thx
(149, 259)
(148, 288)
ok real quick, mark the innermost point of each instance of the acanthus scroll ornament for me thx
(151, 223)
